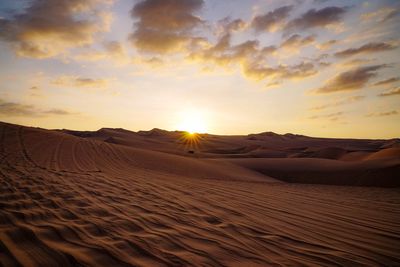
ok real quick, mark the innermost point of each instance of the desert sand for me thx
(156, 198)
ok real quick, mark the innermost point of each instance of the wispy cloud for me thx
(381, 15)
(392, 92)
(354, 79)
(112, 50)
(330, 116)
(366, 49)
(295, 42)
(387, 81)
(272, 20)
(317, 18)
(327, 45)
(382, 114)
(76, 81)
(357, 62)
(345, 101)
(227, 25)
(14, 109)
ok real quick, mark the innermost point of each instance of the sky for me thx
(313, 67)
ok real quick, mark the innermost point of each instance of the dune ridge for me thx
(79, 201)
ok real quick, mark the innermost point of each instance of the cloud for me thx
(381, 15)
(227, 25)
(382, 114)
(165, 25)
(350, 80)
(251, 58)
(326, 45)
(345, 101)
(324, 17)
(35, 91)
(22, 110)
(259, 72)
(295, 42)
(392, 92)
(75, 81)
(16, 109)
(57, 111)
(331, 116)
(223, 54)
(48, 28)
(366, 49)
(387, 81)
(271, 21)
(112, 50)
(357, 62)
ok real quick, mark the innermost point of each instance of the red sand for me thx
(119, 198)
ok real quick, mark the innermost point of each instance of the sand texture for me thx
(118, 198)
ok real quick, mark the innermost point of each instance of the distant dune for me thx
(323, 160)
(114, 197)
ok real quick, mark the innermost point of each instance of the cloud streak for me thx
(331, 116)
(75, 81)
(295, 42)
(317, 18)
(387, 81)
(366, 49)
(14, 109)
(383, 114)
(350, 80)
(112, 50)
(271, 21)
(381, 15)
(348, 100)
(392, 92)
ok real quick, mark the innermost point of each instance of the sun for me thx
(192, 121)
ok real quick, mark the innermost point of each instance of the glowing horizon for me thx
(318, 68)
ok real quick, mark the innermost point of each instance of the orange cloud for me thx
(295, 42)
(324, 17)
(111, 50)
(356, 62)
(326, 45)
(75, 81)
(259, 72)
(383, 114)
(12, 109)
(348, 100)
(381, 15)
(227, 25)
(48, 28)
(331, 116)
(387, 81)
(366, 49)
(350, 80)
(392, 92)
(271, 21)
(165, 26)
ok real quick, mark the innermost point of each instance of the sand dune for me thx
(264, 145)
(383, 173)
(83, 199)
(387, 153)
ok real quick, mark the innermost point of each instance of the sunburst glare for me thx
(192, 121)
